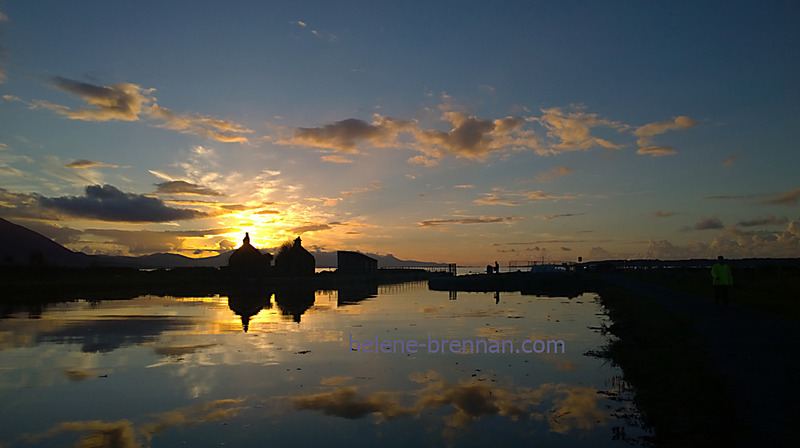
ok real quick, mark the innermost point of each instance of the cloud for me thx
(657, 151)
(467, 220)
(119, 434)
(648, 131)
(121, 101)
(554, 173)
(139, 242)
(708, 224)
(193, 123)
(598, 254)
(78, 375)
(375, 186)
(309, 228)
(765, 221)
(423, 160)
(475, 138)
(108, 203)
(180, 350)
(563, 215)
(183, 187)
(470, 137)
(346, 403)
(733, 243)
(343, 136)
(465, 403)
(83, 163)
(335, 158)
(573, 129)
(5, 53)
(724, 198)
(788, 198)
(494, 199)
(662, 214)
(321, 34)
(131, 102)
(731, 160)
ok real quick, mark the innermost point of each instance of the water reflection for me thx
(187, 362)
(246, 303)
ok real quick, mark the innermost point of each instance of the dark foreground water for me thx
(175, 371)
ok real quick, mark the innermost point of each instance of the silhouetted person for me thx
(722, 279)
(496, 297)
(496, 268)
(489, 269)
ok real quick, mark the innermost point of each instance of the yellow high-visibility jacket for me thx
(721, 274)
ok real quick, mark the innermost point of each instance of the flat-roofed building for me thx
(355, 263)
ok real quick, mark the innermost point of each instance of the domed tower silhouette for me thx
(249, 261)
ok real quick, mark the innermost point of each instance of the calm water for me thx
(174, 371)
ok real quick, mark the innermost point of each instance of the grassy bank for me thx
(678, 393)
(773, 289)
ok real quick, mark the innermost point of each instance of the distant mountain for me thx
(22, 246)
(328, 259)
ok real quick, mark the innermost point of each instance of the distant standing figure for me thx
(722, 279)
(496, 268)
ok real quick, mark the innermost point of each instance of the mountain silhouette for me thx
(23, 247)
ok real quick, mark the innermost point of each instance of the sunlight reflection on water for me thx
(158, 371)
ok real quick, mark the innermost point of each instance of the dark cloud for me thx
(60, 234)
(788, 198)
(344, 135)
(662, 214)
(765, 221)
(707, 224)
(183, 187)
(539, 242)
(108, 203)
(475, 138)
(563, 215)
(104, 335)
(309, 228)
(83, 163)
(478, 220)
(723, 198)
(141, 242)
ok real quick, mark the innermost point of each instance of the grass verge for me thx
(679, 395)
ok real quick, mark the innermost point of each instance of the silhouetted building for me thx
(249, 261)
(348, 262)
(295, 260)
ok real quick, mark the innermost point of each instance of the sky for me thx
(444, 131)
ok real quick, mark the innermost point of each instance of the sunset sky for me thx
(457, 131)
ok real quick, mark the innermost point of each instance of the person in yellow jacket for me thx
(722, 279)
